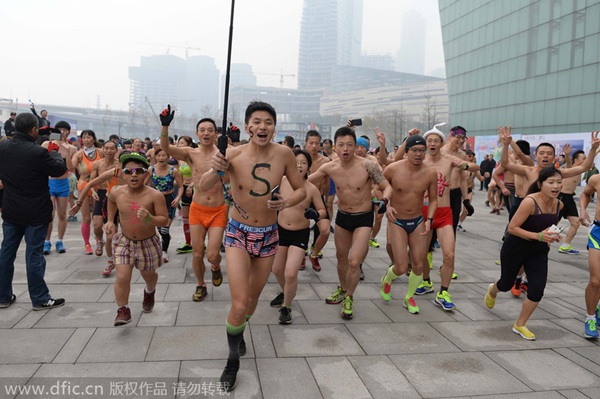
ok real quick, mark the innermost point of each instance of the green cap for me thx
(130, 156)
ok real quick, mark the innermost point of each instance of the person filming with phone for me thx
(27, 209)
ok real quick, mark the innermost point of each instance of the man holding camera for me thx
(27, 209)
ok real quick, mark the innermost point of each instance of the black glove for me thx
(468, 207)
(382, 204)
(234, 133)
(166, 117)
(311, 213)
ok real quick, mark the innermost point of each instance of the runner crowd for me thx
(257, 201)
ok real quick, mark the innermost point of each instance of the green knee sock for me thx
(413, 282)
(390, 275)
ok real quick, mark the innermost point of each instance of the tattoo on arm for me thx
(374, 172)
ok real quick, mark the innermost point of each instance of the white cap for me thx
(435, 131)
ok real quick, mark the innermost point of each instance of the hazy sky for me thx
(69, 52)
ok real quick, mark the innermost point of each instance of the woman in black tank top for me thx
(527, 244)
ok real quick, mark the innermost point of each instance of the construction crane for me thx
(281, 76)
(152, 108)
(187, 48)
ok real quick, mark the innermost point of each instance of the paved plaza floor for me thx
(179, 349)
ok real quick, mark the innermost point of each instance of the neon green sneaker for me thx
(523, 332)
(373, 243)
(347, 313)
(336, 296)
(409, 303)
(430, 259)
(424, 288)
(444, 300)
(386, 288)
(489, 301)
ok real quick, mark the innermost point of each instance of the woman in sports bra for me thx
(186, 196)
(530, 233)
(164, 178)
(82, 161)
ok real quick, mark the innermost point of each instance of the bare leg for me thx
(123, 284)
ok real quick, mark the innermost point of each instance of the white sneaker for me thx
(165, 257)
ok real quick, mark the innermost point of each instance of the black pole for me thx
(226, 94)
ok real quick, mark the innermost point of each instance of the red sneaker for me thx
(88, 249)
(108, 269)
(315, 263)
(148, 302)
(516, 291)
(123, 316)
(303, 264)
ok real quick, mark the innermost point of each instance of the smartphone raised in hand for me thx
(356, 122)
(273, 192)
(222, 144)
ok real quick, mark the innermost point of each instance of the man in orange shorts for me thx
(208, 212)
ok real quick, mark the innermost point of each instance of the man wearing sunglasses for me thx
(141, 210)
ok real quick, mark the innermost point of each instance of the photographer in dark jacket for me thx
(27, 209)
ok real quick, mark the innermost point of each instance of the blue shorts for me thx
(331, 187)
(259, 241)
(594, 236)
(59, 187)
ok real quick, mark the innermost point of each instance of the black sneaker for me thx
(227, 380)
(222, 248)
(362, 274)
(278, 301)
(242, 348)
(285, 315)
(49, 304)
(4, 305)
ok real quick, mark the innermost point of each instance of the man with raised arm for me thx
(208, 212)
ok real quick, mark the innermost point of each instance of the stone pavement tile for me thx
(473, 309)
(107, 376)
(578, 302)
(399, 338)
(564, 289)
(545, 370)
(166, 274)
(265, 314)
(498, 335)
(304, 292)
(573, 325)
(110, 345)
(382, 378)
(509, 309)
(461, 290)
(90, 276)
(79, 292)
(10, 316)
(287, 378)
(525, 395)
(136, 293)
(591, 393)
(588, 358)
(85, 315)
(206, 313)
(30, 319)
(363, 290)
(182, 292)
(577, 394)
(164, 314)
(560, 271)
(32, 346)
(337, 378)
(189, 343)
(72, 349)
(15, 374)
(261, 340)
(194, 373)
(439, 375)
(365, 311)
(558, 308)
(395, 310)
(319, 340)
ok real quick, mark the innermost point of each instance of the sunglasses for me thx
(138, 171)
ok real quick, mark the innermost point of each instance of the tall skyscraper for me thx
(411, 56)
(532, 64)
(330, 35)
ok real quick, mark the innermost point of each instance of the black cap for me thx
(412, 141)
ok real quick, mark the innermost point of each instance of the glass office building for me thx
(532, 64)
